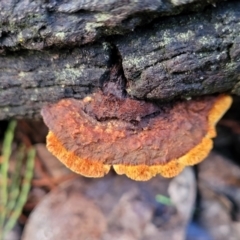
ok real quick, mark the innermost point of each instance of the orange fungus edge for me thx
(81, 166)
(220, 107)
(144, 172)
(192, 157)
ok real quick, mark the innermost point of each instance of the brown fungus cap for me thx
(138, 138)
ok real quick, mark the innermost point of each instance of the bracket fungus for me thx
(138, 138)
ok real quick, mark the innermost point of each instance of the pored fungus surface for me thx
(138, 138)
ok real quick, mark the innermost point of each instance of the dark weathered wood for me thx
(185, 56)
(44, 56)
(40, 24)
(31, 78)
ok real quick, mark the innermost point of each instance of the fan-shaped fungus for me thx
(138, 138)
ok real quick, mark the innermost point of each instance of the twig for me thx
(6, 152)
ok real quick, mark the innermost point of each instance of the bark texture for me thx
(169, 49)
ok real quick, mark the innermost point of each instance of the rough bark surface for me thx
(170, 49)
